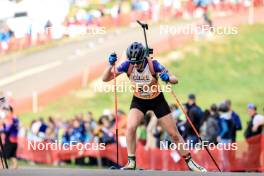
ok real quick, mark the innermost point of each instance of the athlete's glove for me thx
(112, 58)
(164, 77)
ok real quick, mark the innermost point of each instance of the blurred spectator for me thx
(142, 5)
(226, 124)
(256, 123)
(209, 129)
(88, 135)
(42, 129)
(104, 132)
(32, 131)
(214, 111)
(195, 113)
(236, 119)
(51, 133)
(252, 134)
(10, 128)
(76, 135)
(48, 24)
(122, 122)
(158, 135)
(66, 137)
(175, 111)
(5, 36)
(90, 119)
(179, 117)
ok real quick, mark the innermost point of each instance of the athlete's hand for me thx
(112, 58)
(165, 77)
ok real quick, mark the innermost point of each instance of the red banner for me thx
(248, 156)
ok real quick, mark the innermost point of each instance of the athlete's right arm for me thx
(108, 74)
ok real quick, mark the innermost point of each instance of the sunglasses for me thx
(136, 62)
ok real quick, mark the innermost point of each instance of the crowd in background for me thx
(30, 25)
(5, 36)
(81, 128)
(27, 20)
(218, 124)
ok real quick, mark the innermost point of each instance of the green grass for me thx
(222, 69)
(231, 67)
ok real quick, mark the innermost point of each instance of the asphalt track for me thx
(86, 172)
(42, 70)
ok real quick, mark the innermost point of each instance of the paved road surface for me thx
(41, 70)
(86, 172)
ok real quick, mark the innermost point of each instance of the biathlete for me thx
(143, 73)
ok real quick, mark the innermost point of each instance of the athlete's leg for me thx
(169, 125)
(135, 116)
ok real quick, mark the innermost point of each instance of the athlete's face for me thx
(138, 65)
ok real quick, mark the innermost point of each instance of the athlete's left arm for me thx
(158, 68)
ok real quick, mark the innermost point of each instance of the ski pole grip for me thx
(139, 23)
(144, 26)
(150, 50)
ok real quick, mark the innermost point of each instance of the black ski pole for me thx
(3, 154)
(145, 27)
